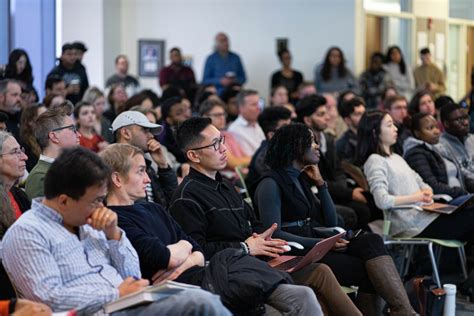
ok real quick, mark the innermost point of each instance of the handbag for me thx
(426, 298)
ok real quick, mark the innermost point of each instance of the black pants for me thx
(349, 266)
(458, 225)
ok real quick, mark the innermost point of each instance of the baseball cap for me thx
(135, 118)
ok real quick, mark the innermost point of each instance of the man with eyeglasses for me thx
(10, 105)
(456, 142)
(133, 128)
(54, 131)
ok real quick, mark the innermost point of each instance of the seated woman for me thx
(85, 117)
(441, 174)
(392, 182)
(285, 196)
(166, 252)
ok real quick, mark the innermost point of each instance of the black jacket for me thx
(431, 167)
(163, 183)
(77, 72)
(346, 146)
(212, 212)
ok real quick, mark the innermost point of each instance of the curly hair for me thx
(288, 144)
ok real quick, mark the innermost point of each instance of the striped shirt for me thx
(49, 264)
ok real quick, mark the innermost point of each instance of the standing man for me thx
(73, 74)
(428, 76)
(121, 76)
(223, 67)
(10, 105)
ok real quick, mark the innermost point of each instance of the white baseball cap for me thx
(135, 118)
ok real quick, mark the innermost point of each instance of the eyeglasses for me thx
(17, 151)
(460, 119)
(216, 144)
(72, 127)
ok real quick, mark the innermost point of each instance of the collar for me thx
(241, 121)
(46, 211)
(46, 158)
(203, 179)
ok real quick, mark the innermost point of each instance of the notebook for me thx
(147, 295)
(295, 263)
(446, 208)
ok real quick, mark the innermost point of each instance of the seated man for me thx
(210, 210)
(351, 112)
(133, 128)
(164, 249)
(68, 252)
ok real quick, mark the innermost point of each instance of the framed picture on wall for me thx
(151, 57)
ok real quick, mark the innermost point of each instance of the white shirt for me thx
(249, 136)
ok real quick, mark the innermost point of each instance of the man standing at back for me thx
(121, 76)
(245, 128)
(223, 67)
(69, 253)
(428, 76)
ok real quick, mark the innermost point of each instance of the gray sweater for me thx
(389, 177)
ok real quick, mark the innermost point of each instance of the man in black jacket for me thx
(133, 128)
(210, 210)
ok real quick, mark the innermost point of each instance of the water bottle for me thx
(450, 302)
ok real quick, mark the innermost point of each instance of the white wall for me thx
(252, 25)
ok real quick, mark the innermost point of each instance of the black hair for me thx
(368, 136)
(343, 94)
(189, 132)
(168, 104)
(402, 66)
(229, 93)
(268, 119)
(79, 46)
(155, 99)
(3, 117)
(341, 68)
(308, 105)
(282, 51)
(346, 108)
(10, 69)
(171, 92)
(425, 51)
(416, 121)
(52, 80)
(75, 170)
(67, 46)
(442, 100)
(175, 49)
(414, 106)
(288, 144)
(377, 55)
(446, 111)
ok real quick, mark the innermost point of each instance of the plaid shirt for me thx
(49, 264)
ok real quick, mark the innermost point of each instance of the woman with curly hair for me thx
(332, 75)
(285, 196)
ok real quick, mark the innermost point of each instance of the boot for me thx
(369, 304)
(386, 281)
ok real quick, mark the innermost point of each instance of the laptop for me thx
(448, 209)
(295, 263)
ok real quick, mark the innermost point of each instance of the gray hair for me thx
(92, 94)
(243, 94)
(3, 137)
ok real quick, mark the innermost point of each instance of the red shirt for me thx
(91, 143)
(14, 204)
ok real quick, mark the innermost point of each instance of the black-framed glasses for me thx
(17, 151)
(72, 127)
(216, 144)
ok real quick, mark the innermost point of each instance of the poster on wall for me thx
(150, 57)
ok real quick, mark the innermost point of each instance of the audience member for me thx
(133, 128)
(116, 99)
(229, 97)
(47, 251)
(140, 99)
(212, 213)
(214, 109)
(400, 73)
(392, 183)
(73, 74)
(53, 100)
(332, 75)
(279, 97)
(270, 120)
(443, 175)
(285, 197)
(85, 120)
(54, 130)
(305, 89)
(102, 125)
(428, 76)
(174, 112)
(245, 128)
(351, 202)
(372, 82)
(223, 67)
(178, 74)
(55, 84)
(422, 102)
(397, 107)
(336, 126)
(19, 68)
(28, 141)
(287, 77)
(165, 251)
(457, 141)
(79, 49)
(121, 76)
(10, 105)
(351, 112)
